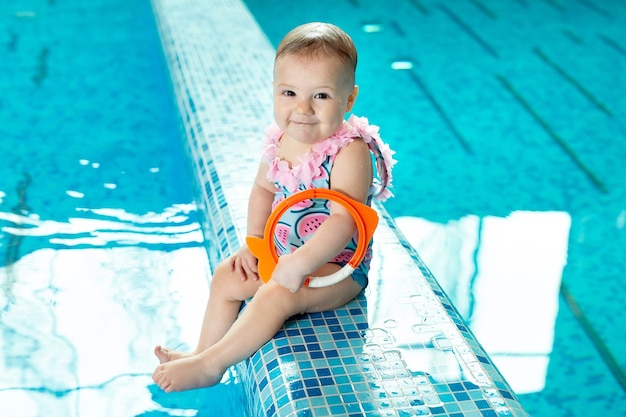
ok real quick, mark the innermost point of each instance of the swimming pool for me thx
(191, 401)
(102, 255)
(508, 122)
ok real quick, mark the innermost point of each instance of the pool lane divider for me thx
(419, 6)
(558, 139)
(468, 29)
(572, 36)
(556, 6)
(595, 338)
(484, 9)
(573, 81)
(396, 27)
(444, 116)
(22, 209)
(613, 44)
(597, 9)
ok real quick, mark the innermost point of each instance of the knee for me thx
(222, 275)
(276, 297)
(229, 284)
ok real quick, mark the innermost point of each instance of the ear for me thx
(352, 98)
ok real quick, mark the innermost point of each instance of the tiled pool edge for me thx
(368, 358)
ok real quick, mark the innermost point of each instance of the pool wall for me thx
(398, 349)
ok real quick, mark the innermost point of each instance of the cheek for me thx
(338, 111)
(280, 107)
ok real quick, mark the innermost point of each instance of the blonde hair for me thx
(320, 39)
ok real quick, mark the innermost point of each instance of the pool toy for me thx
(264, 250)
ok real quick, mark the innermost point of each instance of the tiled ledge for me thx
(399, 349)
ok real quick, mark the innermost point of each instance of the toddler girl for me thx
(309, 145)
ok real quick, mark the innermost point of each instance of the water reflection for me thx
(503, 275)
(80, 314)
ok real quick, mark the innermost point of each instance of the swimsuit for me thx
(300, 221)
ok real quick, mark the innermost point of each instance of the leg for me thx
(271, 306)
(225, 297)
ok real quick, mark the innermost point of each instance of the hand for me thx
(290, 272)
(244, 264)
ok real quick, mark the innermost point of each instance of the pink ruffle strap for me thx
(310, 164)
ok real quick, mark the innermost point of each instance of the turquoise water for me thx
(508, 119)
(101, 253)
(82, 243)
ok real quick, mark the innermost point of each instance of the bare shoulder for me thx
(352, 170)
(357, 150)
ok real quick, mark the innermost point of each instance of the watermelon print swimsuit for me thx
(300, 221)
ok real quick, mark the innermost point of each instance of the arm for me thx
(259, 210)
(260, 202)
(351, 175)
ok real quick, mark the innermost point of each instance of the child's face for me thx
(311, 96)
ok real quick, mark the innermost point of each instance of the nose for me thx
(304, 106)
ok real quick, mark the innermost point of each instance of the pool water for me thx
(508, 122)
(497, 121)
(101, 252)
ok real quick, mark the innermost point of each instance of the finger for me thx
(251, 269)
(239, 268)
(254, 265)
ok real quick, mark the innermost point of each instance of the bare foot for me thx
(187, 373)
(167, 355)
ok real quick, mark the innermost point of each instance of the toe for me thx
(162, 353)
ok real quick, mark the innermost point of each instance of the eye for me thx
(288, 93)
(322, 96)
